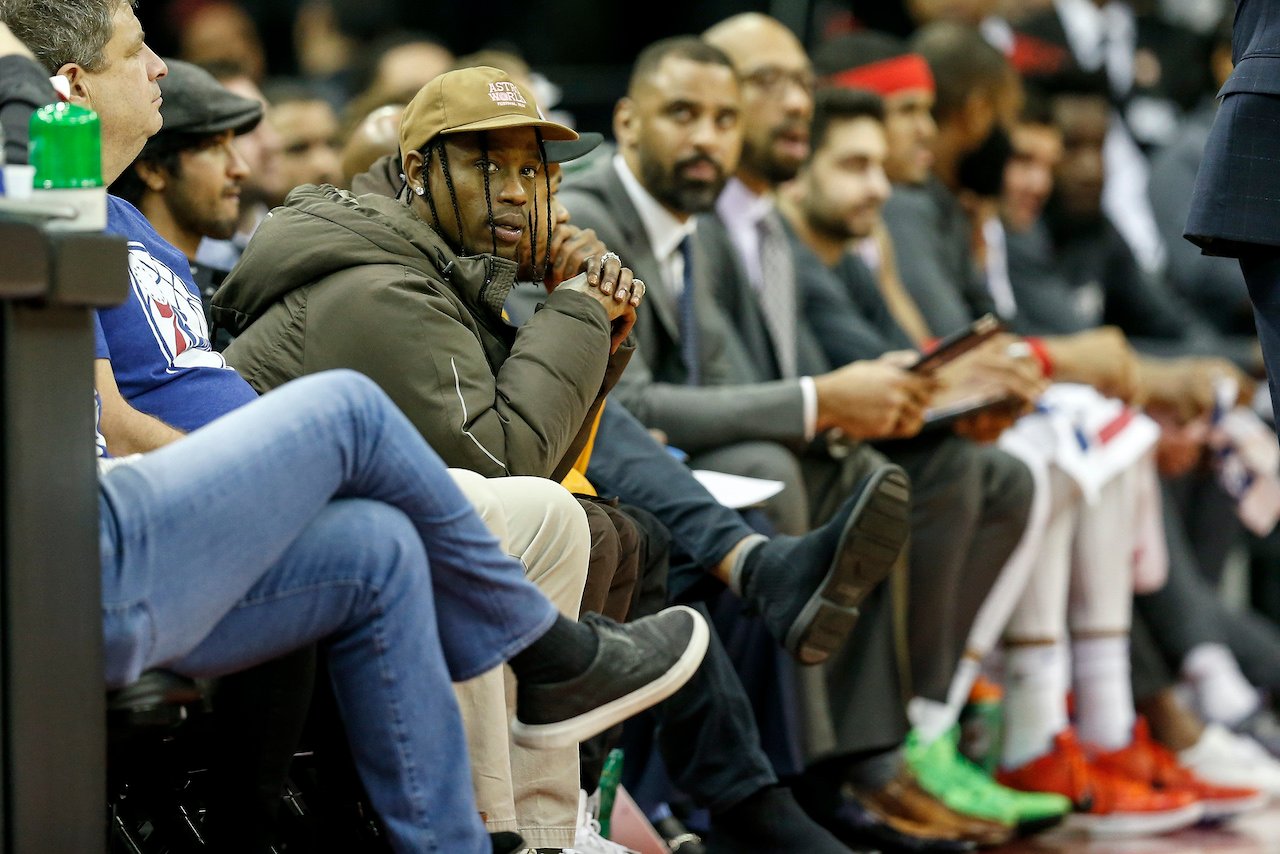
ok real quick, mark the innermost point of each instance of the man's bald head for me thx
(741, 35)
(377, 135)
(777, 96)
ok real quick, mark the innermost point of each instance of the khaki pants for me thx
(534, 793)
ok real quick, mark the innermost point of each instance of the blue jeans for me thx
(318, 512)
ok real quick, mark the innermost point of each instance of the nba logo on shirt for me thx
(172, 311)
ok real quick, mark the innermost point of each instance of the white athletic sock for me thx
(1222, 694)
(1104, 694)
(1035, 701)
(931, 719)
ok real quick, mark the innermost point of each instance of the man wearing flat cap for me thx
(187, 179)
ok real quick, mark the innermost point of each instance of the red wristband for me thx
(1041, 352)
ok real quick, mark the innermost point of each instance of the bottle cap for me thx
(66, 147)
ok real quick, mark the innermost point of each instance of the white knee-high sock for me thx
(1035, 701)
(1222, 693)
(1104, 695)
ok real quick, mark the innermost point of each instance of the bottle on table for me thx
(66, 151)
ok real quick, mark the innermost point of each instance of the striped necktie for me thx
(778, 292)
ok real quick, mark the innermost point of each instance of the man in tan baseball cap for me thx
(472, 99)
(409, 291)
(461, 134)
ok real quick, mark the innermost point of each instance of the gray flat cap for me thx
(196, 104)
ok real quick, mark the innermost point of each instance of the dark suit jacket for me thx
(734, 292)
(735, 402)
(930, 234)
(841, 316)
(1234, 209)
(1255, 48)
(843, 308)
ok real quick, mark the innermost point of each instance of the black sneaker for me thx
(637, 665)
(807, 589)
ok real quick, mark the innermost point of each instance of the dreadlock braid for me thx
(453, 195)
(426, 185)
(533, 237)
(488, 199)
(546, 174)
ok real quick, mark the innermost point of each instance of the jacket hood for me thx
(321, 230)
(383, 177)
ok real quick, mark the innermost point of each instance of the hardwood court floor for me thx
(1258, 833)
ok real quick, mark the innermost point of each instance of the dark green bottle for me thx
(610, 778)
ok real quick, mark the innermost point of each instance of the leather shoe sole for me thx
(874, 534)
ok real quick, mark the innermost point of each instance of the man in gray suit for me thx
(699, 383)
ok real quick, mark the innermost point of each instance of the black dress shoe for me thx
(769, 822)
(506, 842)
(854, 825)
(679, 839)
(808, 589)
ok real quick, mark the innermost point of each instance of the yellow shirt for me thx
(576, 480)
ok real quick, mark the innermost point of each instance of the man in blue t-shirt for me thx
(158, 340)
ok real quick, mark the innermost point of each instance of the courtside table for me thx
(52, 697)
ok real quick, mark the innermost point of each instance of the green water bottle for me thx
(982, 726)
(66, 151)
(610, 778)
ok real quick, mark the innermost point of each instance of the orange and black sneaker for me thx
(1108, 803)
(1150, 762)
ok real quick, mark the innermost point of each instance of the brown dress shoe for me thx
(902, 804)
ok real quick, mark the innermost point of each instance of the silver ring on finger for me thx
(606, 256)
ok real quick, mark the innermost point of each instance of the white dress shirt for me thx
(664, 231)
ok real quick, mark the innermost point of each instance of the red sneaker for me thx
(1146, 760)
(1107, 803)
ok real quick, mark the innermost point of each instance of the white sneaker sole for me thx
(1221, 810)
(1123, 825)
(575, 730)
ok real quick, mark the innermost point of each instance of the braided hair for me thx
(437, 147)
(453, 194)
(425, 151)
(540, 273)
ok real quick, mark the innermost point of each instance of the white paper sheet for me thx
(735, 491)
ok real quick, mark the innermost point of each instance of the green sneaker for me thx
(964, 787)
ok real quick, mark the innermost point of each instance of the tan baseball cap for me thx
(472, 99)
